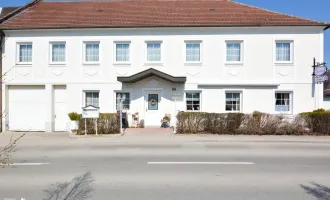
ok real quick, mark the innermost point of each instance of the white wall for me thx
(326, 103)
(258, 64)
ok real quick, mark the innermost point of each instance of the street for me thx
(173, 170)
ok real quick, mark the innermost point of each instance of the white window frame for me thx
(200, 42)
(290, 92)
(51, 53)
(84, 96)
(241, 42)
(291, 51)
(241, 100)
(115, 53)
(84, 53)
(200, 100)
(130, 98)
(18, 44)
(146, 51)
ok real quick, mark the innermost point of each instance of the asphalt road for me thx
(178, 171)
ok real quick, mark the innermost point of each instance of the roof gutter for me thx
(19, 10)
(327, 27)
(2, 36)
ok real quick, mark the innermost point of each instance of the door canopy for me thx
(148, 73)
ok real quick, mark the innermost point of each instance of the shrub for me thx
(74, 116)
(108, 123)
(259, 123)
(191, 122)
(318, 121)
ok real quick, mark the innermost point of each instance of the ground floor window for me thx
(92, 98)
(126, 101)
(233, 101)
(193, 101)
(282, 101)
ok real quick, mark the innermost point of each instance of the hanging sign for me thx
(320, 72)
(321, 79)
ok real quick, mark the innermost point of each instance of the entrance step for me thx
(148, 131)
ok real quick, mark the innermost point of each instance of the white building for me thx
(217, 56)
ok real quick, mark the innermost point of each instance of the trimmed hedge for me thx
(318, 121)
(257, 123)
(108, 123)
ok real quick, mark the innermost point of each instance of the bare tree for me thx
(79, 188)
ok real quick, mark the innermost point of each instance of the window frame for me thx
(18, 44)
(130, 98)
(115, 53)
(90, 91)
(240, 92)
(200, 100)
(200, 42)
(241, 43)
(146, 51)
(51, 62)
(85, 62)
(291, 42)
(290, 92)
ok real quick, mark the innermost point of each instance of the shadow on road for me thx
(321, 192)
(79, 188)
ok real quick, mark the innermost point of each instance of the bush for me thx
(318, 121)
(74, 116)
(259, 123)
(108, 123)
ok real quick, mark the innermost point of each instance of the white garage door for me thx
(27, 109)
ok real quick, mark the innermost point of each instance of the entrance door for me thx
(61, 114)
(153, 112)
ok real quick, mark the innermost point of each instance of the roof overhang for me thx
(151, 72)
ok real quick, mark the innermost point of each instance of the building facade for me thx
(53, 69)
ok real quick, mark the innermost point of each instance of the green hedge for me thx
(108, 123)
(318, 121)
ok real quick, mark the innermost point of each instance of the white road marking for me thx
(201, 163)
(28, 164)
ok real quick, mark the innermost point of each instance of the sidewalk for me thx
(41, 139)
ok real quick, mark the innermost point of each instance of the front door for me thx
(153, 112)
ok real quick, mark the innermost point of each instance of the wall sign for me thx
(320, 72)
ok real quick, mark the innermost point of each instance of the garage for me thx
(26, 108)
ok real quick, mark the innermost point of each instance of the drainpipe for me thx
(2, 36)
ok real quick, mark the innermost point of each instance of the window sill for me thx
(124, 64)
(91, 63)
(23, 64)
(234, 63)
(284, 63)
(193, 63)
(57, 64)
(153, 63)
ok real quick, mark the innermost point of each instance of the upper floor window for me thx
(126, 100)
(58, 52)
(92, 98)
(233, 101)
(284, 51)
(92, 52)
(122, 52)
(234, 51)
(25, 53)
(193, 51)
(193, 101)
(283, 101)
(153, 52)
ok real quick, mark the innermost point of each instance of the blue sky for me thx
(311, 9)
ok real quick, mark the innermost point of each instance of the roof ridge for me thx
(276, 12)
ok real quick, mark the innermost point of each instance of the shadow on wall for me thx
(320, 192)
(79, 188)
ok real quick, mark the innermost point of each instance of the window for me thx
(25, 53)
(193, 101)
(58, 52)
(234, 51)
(282, 101)
(193, 52)
(233, 101)
(126, 102)
(284, 51)
(122, 52)
(153, 52)
(92, 51)
(92, 99)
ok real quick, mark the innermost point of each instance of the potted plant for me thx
(165, 122)
(74, 117)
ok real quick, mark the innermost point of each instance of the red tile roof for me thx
(149, 13)
(6, 10)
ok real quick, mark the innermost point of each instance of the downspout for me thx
(2, 36)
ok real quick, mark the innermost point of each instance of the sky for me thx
(311, 9)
